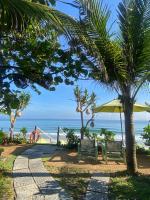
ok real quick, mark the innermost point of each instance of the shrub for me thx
(17, 139)
(20, 138)
(142, 150)
(72, 138)
(91, 136)
(146, 135)
(23, 132)
(108, 135)
(2, 136)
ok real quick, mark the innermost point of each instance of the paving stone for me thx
(49, 187)
(35, 163)
(22, 157)
(29, 151)
(26, 192)
(38, 197)
(20, 163)
(32, 181)
(64, 196)
(24, 198)
(42, 180)
(101, 176)
(95, 196)
(98, 186)
(52, 197)
(22, 178)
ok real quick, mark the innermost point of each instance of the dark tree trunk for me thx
(130, 136)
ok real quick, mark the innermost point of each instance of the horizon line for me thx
(68, 119)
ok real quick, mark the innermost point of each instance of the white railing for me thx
(43, 132)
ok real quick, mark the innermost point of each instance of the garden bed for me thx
(69, 158)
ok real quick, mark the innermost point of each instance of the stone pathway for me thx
(32, 180)
(98, 187)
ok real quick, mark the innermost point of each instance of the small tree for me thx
(85, 105)
(14, 104)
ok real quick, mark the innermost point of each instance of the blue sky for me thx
(60, 104)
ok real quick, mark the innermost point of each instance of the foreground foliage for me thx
(146, 135)
(130, 187)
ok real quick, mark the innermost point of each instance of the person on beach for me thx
(34, 135)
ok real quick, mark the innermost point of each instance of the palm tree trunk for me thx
(130, 136)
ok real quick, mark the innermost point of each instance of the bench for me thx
(113, 150)
(87, 149)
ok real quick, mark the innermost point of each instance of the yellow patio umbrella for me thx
(115, 106)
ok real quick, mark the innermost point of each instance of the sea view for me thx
(50, 126)
(73, 75)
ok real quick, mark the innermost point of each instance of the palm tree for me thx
(16, 15)
(121, 59)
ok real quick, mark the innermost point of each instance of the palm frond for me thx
(134, 22)
(98, 14)
(15, 15)
(97, 39)
(45, 2)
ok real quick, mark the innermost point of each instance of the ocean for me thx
(50, 126)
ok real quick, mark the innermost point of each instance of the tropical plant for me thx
(108, 135)
(146, 135)
(24, 131)
(142, 150)
(120, 59)
(92, 136)
(13, 106)
(85, 105)
(72, 138)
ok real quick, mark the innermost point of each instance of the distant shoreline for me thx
(64, 119)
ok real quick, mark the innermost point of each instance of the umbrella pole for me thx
(121, 127)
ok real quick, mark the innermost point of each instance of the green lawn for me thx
(6, 184)
(130, 188)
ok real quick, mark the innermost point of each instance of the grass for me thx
(6, 166)
(130, 188)
(74, 181)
